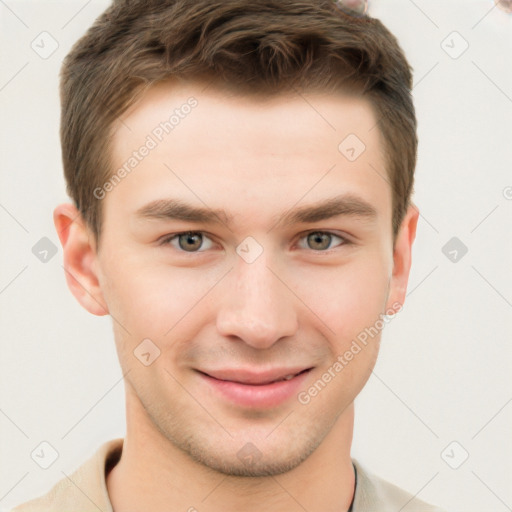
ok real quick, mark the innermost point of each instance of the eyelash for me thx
(168, 239)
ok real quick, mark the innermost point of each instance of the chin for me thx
(250, 462)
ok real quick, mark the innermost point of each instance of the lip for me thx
(252, 389)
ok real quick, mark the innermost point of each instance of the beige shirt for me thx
(86, 490)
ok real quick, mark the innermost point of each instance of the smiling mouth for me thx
(255, 381)
(252, 388)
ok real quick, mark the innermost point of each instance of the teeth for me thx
(288, 377)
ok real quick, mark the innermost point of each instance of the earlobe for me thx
(402, 259)
(79, 259)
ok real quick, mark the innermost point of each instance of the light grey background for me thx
(444, 369)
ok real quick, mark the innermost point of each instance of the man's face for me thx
(254, 293)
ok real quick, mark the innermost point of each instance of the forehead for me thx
(298, 116)
(217, 147)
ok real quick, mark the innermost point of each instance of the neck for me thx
(153, 474)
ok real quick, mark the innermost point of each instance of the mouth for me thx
(254, 378)
(253, 389)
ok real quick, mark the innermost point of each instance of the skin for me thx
(295, 305)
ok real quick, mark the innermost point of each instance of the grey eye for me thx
(320, 240)
(190, 241)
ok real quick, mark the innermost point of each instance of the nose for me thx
(257, 307)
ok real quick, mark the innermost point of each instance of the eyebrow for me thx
(347, 205)
(174, 209)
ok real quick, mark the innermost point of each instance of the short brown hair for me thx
(257, 46)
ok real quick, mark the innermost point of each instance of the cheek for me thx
(150, 300)
(349, 301)
(347, 298)
(157, 305)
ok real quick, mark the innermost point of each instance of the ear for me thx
(402, 259)
(80, 258)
